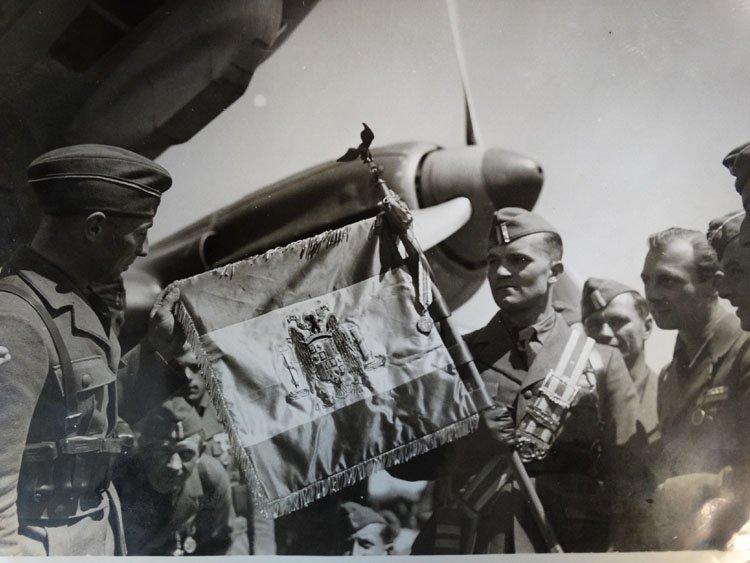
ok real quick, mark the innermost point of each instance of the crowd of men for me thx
(103, 453)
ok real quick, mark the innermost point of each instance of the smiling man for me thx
(618, 315)
(702, 393)
(59, 386)
(176, 499)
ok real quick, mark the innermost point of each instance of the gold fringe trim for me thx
(274, 508)
(305, 248)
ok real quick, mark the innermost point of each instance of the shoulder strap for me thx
(596, 361)
(544, 416)
(57, 340)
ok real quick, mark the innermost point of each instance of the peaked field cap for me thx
(511, 223)
(98, 178)
(738, 164)
(723, 230)
(358, 516)
(174, 419)
(599, 292)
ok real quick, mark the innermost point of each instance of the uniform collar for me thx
(59, 292)
(720, 335)
(640, 373)
(500, 327)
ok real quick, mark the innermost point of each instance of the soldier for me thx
(618, 315)
(738, 164)
(260, 528)
(702, 395)
(176, 499)
(515, 352)
(366, 531)
(58, 386)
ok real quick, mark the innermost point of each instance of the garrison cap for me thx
(174, 419)
(723, 230)
(598, 292)
(738, 163)
(511, 223)
(89, 178)
(357, 516)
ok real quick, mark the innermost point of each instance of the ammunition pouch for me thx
(77, 466)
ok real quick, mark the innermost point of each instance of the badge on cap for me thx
(178, 433)
(597, 299)
(504, 231)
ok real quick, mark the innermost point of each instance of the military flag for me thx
(323, 362)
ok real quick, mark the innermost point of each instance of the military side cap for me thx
(598, 292)
(511, 223)
(723, 230)
(88, 178)
(357, 516)
(174, 419)
(738, 163)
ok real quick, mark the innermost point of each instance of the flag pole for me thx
(400, 218)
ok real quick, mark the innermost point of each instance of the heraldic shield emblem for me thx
(327, 358)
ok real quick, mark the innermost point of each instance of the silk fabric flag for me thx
(321, 365)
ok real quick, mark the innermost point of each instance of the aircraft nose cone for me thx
(511, 179)
(491, 178)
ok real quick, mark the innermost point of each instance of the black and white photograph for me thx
(375, 278)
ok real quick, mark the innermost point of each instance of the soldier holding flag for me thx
(565, 404)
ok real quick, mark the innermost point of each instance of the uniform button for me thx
(59, 509)
(528, 394)
(85, 380)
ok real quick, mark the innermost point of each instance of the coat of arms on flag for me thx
(322, 364)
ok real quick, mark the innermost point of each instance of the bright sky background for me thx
(628, 106)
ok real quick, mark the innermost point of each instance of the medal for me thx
(698, 416)
(189, 545)
(425, 324)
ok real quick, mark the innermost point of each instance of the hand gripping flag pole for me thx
(430, 299)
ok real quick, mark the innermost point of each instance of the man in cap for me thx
(260, 528)
(738, 164)
(618, 315)
(59, 399)
(366, 531)
(702, 395)
(734, 258)
(568, 456)
(176, 499)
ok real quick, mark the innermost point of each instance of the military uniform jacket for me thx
(32, 401)
(646, 384)
(703, 407)
(703, 404)
(198, 520)
(569, 481)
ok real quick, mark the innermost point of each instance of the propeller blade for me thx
(434, 224)
(472, 134)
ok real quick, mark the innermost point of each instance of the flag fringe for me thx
(306, 248)
(274, 508)
(319, 489)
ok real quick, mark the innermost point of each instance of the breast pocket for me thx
(92, 377)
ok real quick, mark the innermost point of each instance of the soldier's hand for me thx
(164, 334)
(499, 422)
(4, 355)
